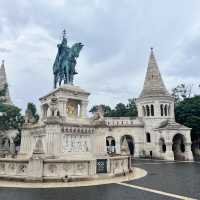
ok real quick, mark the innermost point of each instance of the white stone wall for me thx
(137, 133)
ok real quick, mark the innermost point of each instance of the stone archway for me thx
(178, 147)
(128, 139)
(162, 145)
(196, 146)
(110, 145)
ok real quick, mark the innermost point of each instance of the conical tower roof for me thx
(5, 98)
(153, 84)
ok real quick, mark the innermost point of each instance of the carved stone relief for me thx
(22, 168)
(2, 167)
(52, 168)
(76, 143)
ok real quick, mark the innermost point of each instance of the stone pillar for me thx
(35, 168)
(188, 152)
(117, 145)
(172, 110)
(92, 168)
(83, 109)
(62, 107)
(157, 108)
(136, 149)
(169, 154)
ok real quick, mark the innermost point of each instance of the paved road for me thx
(173, 178)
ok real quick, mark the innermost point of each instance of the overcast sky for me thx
(117, 35)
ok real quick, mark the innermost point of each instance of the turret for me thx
(4, 96)
(154, 102)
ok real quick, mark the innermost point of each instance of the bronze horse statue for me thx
(65, 62)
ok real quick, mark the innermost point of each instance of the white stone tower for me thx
(163, 137)
(5, 98)
(154, 104)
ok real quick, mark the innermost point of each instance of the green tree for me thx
(181, 92)
(10, 118)
(106, 109)
(120, 110)
(187, 112)
(32, 111)
(131, 108)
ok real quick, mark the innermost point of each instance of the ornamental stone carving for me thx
(52, 168)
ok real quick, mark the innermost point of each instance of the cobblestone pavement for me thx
(165, 180)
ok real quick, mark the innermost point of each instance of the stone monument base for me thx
(38, 169)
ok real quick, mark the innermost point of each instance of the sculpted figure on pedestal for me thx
(65, 62)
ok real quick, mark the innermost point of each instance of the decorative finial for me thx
(151, 49)
(3, 61)
(64, 33)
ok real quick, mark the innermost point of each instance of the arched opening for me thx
(178, 147)
(161, 110)
(147, 110)
(165, 109)
(162, 145)
(110, 145)
(127, 144)
(148, 137)
(152, 110)
(144, 111)
(196, 146)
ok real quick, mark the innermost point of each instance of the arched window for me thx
(148, 110)
(165, 110)
(110, 144)
(162, 145)
(148, 137)
(161, 110)
(152, 110)
(144, 111)
(107, 143)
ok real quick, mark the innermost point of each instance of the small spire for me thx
(3, 83)
(64, 33)
(153, 84)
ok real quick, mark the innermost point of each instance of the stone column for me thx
(157, 108)
(83, 109)
(35, 168)
(62, 107)
(136, 149)
(117, 145)
(188, 152)
(169, 154)
(172, 110)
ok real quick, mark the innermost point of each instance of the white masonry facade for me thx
(66, 143)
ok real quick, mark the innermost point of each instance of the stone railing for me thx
(123, 121)
(13, 168)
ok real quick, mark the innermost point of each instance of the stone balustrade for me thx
(123, 121)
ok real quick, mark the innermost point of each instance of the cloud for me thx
(4, 50)
(116, 34)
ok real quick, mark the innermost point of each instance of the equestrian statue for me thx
(65, 62)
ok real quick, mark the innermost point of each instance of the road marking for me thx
(150, 163)
(166, 162)
(157, 191)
